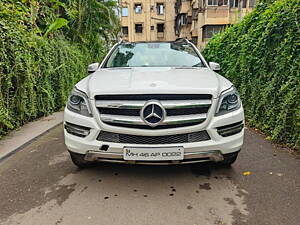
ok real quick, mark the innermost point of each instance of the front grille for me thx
(170, 112)
(169, 139)
(181, 110)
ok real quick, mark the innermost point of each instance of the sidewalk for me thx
(27, 133)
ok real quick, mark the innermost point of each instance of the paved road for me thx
(40, 186)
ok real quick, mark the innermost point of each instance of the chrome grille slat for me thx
(171, 104)
(120, 119)
(115, 104)
(175, 104)
(184, 119)
(180, 110)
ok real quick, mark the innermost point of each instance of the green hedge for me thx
(261, 56)
(36, 72)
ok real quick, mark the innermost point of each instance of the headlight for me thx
(78, 102)
(229, 101)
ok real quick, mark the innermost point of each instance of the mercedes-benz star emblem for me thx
(153, 113)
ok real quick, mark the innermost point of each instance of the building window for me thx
(240, 3)
(195, 14)
(160, 8)
(212, 2)
(252, 3)
(236, 3)
(125, 11)
(138, 8)
(138, 28)
(244, 4)
(125, 31)
(211, 30)
(160, 27)
(195, 40)
(217, 2)
(183, 19)
(152, 27)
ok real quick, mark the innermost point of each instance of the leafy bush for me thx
(261, 56)
(40, 61)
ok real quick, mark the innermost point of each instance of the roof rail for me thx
(121, 40)
(182, 40)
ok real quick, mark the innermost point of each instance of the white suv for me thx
(156, 103)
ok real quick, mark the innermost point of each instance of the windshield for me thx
(154, 55)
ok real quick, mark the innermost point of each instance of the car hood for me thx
(153, 81)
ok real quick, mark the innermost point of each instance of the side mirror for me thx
(215, 66)
(93, 67)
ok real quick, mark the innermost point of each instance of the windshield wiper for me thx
(198, 65)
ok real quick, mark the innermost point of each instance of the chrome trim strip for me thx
(215, 156)
(238, 126)
(119, 161)
(231, 132)
(179, 104)
(119, 104)
(167, 104)
(71, 129)
(136, 120)
(192, 118)
(120, 119)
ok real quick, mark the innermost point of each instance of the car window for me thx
(154, 55)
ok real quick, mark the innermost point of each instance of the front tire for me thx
(229, 159)
(79, 161)
(204, 167)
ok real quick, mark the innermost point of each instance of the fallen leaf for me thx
(247, 173)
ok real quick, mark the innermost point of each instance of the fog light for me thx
(77, 130)
(231, 129)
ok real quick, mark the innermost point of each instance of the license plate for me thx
(153, 154)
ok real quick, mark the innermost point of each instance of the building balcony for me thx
(124, 21)
(217, 15)
(195, 4)
(185, 7)
(160, 34)
(236, 15)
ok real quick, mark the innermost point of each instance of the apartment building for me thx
(147, 20)
(166, 20)
(199, 20)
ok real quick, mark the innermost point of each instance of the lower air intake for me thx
(168, 139)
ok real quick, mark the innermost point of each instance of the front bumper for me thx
(215, 156)
(210, 150)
